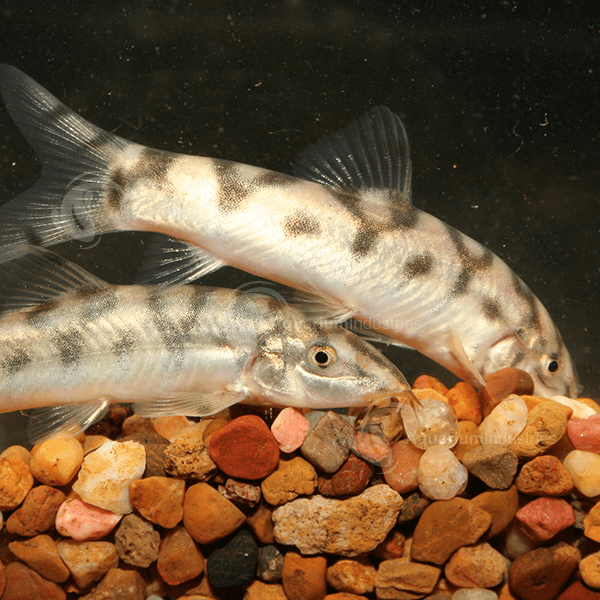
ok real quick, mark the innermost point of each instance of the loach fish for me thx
(344, 231)
(67, 337)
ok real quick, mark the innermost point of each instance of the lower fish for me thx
(344, 231)
(69, 338)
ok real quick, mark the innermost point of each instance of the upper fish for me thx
(344, 231)
(67, 337)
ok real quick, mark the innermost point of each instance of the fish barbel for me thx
(344, 231)
(67, 337)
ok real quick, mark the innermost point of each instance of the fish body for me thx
(344, 231)
(67, 337)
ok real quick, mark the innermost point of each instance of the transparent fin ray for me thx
(190, 405)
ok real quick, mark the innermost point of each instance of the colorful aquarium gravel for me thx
(498, 499)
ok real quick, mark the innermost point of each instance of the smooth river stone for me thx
(432, 423)
(584, 468)
(347, 527)
(585, 433)
(441, 475)
(505, 422)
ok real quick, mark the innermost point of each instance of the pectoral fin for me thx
(189, 405)
(457, 351)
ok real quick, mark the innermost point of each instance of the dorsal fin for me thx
(30, 276)
(370, 153)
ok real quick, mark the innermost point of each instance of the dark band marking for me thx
(492, 309)
(272, 179)
(97, 304)
(364, 240)
(419, 265)
(232, 187)
(123, 344)
(15, 361)
(301, 223)
(70, 346)
(116, 189)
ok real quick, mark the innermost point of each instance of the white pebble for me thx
(505, 422)
(441, 475)
(431, 424)
(580, 410)
(584, 468)
(474, 594)
(106, 473)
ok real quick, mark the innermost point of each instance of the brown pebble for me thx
(158, 499)
(37, 513)
(261, 523)
(502, 505)
(494, 464)
(399, 579)
(188, 457)
(88, 561)
(445, 526)
(427, 381)
(464, 401)
(23, 583)
(137, 542)
(391, 547)
(120, 584)
(41, 555)
(352, 575)
(468, 440)
(477, 566)
(544, 476)
(16, 481)
(180, 559)
(208, 516)
(154, 445)
(294, 476)
(543, 572)
(258, 590)
(304, 577)
(507, 381)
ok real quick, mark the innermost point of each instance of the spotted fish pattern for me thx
(66, 337)
(343, 230)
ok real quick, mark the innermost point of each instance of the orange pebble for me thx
(464, 401)
(427, 381)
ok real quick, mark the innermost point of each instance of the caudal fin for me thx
(69, 201)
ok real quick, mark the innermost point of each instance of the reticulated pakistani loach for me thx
(73, 343)
(344, 231)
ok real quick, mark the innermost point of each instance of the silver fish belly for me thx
(344, 231)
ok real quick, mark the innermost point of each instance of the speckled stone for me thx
(543, 518)
(328, 444)
(179, 559)
(37, 513)
(155, 446)
(187, 456)
(245, 448)
(208, 516)
(501, 505)
(347, 527)
(88, 562)
(81, 521)
(137, 542)
(352, 575)
(412, 507)
(543, 572)
(240, 493)
(404, 580)
(235, 563)
(270, 563)
(464, 401)
(478, 566)
(304, 577)
(494, 464)
(391, 547)
(106, 473)
(446, 526)
(23, 583)
(41, 555)
(15, 482)
(352, 478)
(57, 460)
(585, 433)
(294, 476)
(158, 499)
(544, 476)
(119, 584)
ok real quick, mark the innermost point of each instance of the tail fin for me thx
(69, 201)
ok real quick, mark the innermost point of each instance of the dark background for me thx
(500, 100)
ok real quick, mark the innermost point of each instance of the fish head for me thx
(545, 357)
(325, 367)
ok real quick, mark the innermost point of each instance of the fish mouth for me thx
(386, 399)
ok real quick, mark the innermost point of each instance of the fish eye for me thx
(322, 356)
(553, 366)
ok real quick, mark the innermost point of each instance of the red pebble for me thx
(543, 518)
(24, 583)
(579, 591)
(585, 433)
(245, 448)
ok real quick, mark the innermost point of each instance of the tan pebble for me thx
(502, 505)
(15, 482)
(427, 381)
(589, 402)
(120, 584)
(544, 476)
(589, 569)
(428, 393)
(38, 512)
(212, 426)
(136, 424)
(41, 555)
(546, 424)
(584, 468)
(171, 427)
(92, 442)
(468, 440)
(344, 596)
(57, 461)
(258, 590)
(304, 577)
(293, 477)
(398, 579)
(18, 452)
(464, 401)
(354, 576)
(208, 516)
(261, 523)
(180, 559)
(477, 566)
(591, 523)
(88, 562)
(532, 401)
(159, 499)
(187, 456)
